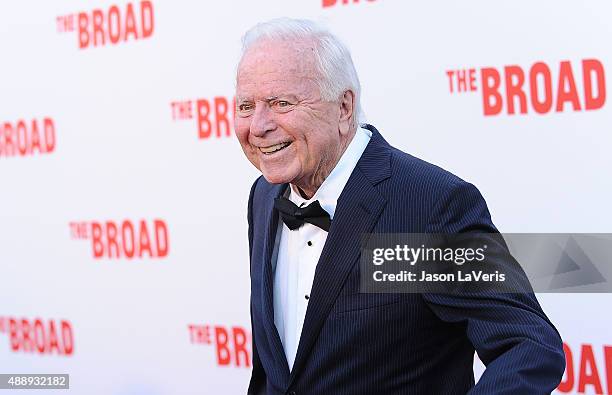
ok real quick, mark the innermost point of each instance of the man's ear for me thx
(347, 112)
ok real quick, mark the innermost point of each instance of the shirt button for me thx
(309, 243)
(306, 297)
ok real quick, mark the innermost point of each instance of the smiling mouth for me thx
(274, 148)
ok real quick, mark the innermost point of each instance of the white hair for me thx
(332, 57)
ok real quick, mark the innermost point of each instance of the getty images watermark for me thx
(486, 262)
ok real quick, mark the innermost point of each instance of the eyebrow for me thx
(267, 99)
(243, 99)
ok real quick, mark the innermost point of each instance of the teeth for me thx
(274, 148)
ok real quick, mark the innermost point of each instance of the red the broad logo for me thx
(26, 138)
(214, 116)
(583, 374)
(231, 344)
(38, 336)
(125, 239)
(114, 25)
(539, 89)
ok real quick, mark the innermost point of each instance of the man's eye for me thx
(282, 105)
(245, 107)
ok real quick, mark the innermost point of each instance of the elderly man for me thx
(326, 181)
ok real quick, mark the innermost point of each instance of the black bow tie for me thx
(294, 216)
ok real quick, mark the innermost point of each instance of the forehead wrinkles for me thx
(278, 62)
(277, 85)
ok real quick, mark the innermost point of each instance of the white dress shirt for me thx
(298, 250)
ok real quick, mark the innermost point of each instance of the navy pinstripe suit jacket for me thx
(355, 343)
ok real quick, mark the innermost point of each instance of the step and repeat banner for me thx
(123, 190)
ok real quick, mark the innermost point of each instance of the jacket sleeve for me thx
(257, 384)
(520, 347)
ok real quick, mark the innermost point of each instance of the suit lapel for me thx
(358, 209)
(268, 281)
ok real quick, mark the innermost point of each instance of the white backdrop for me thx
(131, 135)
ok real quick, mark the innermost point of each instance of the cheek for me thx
(318, 143)
(242, 131)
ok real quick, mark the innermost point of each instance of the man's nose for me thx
(263, 120)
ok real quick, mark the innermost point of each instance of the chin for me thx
(279, 173)
(274, 178)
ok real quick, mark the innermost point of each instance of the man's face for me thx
(284, 127)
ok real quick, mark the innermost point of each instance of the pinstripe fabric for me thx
(354, 343)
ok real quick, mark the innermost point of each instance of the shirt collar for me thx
(329, 192)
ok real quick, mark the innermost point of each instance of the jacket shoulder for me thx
(431, 178)
(435, 198)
